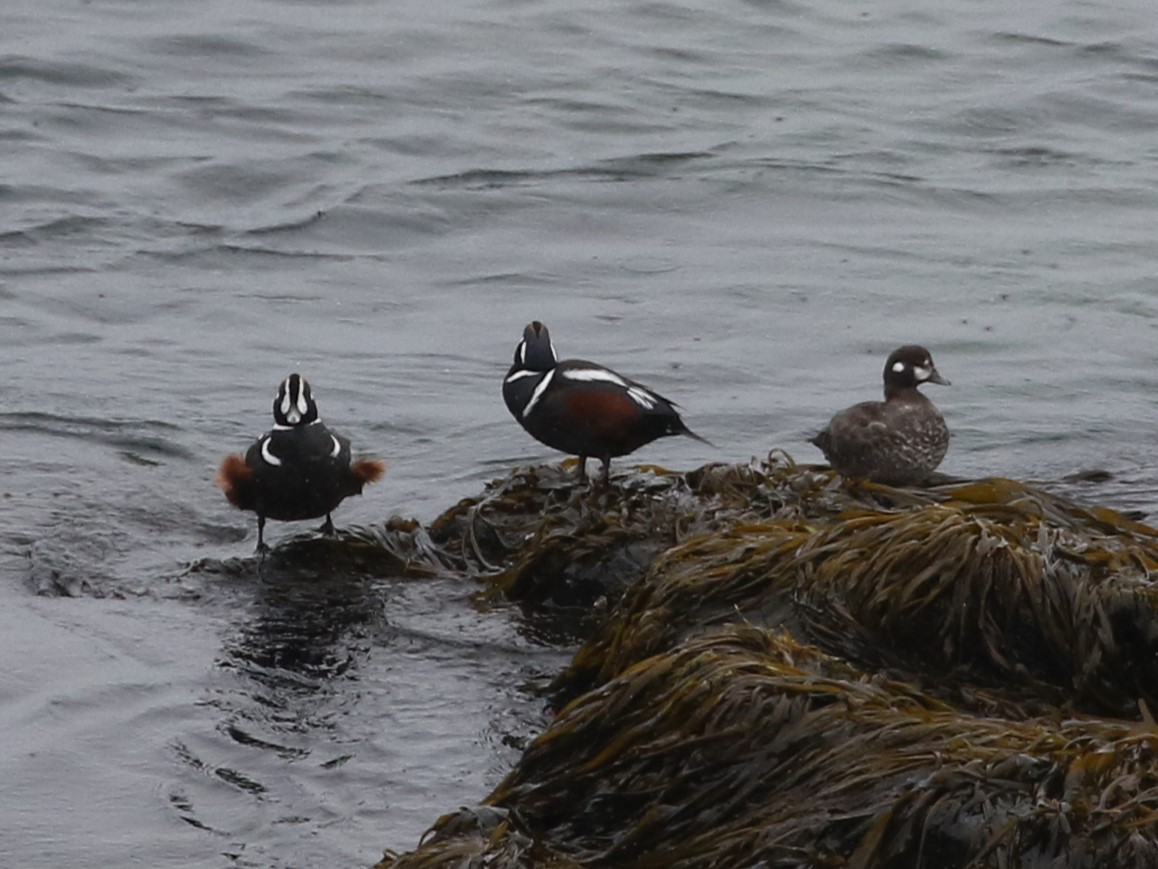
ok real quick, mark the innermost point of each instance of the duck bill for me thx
(935, 377)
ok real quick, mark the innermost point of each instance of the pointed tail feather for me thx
(687, 432)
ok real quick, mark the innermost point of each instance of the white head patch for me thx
(293, 409)
(898, 367)
(922, 374)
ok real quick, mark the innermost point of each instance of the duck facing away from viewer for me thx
(899, 441)
(297, 470)
(581, 408)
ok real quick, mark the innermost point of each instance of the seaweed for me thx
(745, 748)
(786, 669)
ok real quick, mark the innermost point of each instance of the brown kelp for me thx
(744, 748)
(543, 539)
(991, 582)
(800, 671)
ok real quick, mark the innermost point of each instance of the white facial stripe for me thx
(551, 344)
(641, 397)
(538, 393)
(923, 374)
(285, 402)
(303, 405)
(337, 448)
(267, 456)
(522, 352)
(519, 375)
(898, 367)
(595, 374)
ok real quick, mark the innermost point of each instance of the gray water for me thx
(746, 205)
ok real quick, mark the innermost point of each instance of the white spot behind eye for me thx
(898, 367)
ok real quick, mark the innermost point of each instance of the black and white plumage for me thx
(581, 408)
(899, 441)
(297, 470)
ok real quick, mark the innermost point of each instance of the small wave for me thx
(16, 67)
(126, 435)
(646, 165)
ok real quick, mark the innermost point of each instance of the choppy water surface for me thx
(746, 205)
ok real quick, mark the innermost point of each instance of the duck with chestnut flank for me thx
(297, 470)
(899, 441)
(581, 408)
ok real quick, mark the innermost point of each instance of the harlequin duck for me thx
(898, 441)
(582, 408)
(298, 470)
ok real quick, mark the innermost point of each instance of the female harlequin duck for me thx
(298, 470)
(898, 441)
(582, 408)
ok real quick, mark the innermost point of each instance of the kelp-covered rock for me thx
(998, 581)
(746, 749)
(989, 582)
(928, 713)
(544, 539)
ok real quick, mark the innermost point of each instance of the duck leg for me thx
(605, 474)
(262, 549)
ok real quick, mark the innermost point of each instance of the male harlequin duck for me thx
(298, 470)
(898, 441)
(582, 408)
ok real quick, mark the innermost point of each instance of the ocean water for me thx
(745, 205)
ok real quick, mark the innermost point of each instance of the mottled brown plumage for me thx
(899, 441)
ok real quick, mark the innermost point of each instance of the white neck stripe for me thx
(540, 388)
(269, 457)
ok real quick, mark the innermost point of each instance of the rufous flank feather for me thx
(369, 470)
(232, 477)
